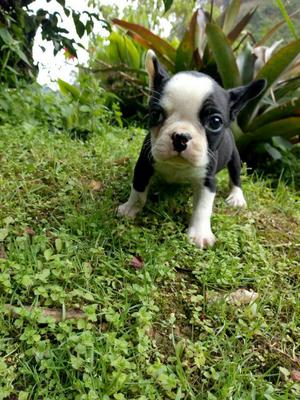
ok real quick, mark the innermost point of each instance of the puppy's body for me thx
(190, 141)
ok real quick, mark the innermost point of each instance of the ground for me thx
(151, 319)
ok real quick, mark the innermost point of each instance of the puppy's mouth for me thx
(178, 159)
(169, 154)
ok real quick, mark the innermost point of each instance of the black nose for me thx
(180, 141)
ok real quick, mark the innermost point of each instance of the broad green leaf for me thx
(84, 108)
(48, 254)
(158, 44)
(271, 71)
(274, 153)
(76, 362)
(287, 18)
(12, 70)
(68, 89)
(281, 143)
(234, 34)
(6, 36)
(122, 49)
(223, 56)
(185, 51)
(58, 244)
(287, 87)
(167, 4)
(288, 109)
(287, 128)
(231, 15)
(245, 62)
(170, 65)
(270, 33)
(22, 55)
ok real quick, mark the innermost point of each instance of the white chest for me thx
(178, 172)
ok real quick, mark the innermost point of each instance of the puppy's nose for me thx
(180, 140)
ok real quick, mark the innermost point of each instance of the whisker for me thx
(212, 154)
(152, 91)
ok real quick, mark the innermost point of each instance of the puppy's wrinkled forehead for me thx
(185, 93)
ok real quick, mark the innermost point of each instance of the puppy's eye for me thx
(157, 117)
(214, 123)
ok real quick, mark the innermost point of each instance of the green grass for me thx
(163, 331)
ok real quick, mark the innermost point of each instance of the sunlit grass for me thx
(162, 331)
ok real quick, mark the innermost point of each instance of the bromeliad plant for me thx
(117, 61)
(221, 48)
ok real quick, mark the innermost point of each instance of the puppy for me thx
(190, 140)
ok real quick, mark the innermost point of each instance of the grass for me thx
(159, 328)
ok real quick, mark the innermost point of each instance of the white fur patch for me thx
(199, 230)
(185, 93)
(178, 170)
(134, 204)
(236, 198)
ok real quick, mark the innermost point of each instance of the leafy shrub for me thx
(78, 110)
(18, 27)
(85, 107)
(32, 105)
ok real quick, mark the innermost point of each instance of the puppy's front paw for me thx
(201, 238)
(236, 198)
(127, 210)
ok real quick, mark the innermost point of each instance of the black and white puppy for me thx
(190, 140)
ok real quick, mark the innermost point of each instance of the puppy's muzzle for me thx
(180, 141)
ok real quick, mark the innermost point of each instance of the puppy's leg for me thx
(143, 172)
(134, 204)
(199, 230)
(236, 196)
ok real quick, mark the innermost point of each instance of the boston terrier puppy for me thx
(190, 140)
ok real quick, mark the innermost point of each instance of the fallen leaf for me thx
(95, 185)
(103, 326)
(295, 375)
(242, 296)
(121, 161)
(137, 262)
(54, 313)
(29, 231)
(3, 255)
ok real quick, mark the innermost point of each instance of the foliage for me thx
(218, 46)
(86, 107)
(160, 331)
(287, 18)
(18, 26)
(79, 110)
(118, 63)
(269, 14)
(32, 106)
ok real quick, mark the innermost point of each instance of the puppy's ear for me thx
(155, 70)
(240, 96)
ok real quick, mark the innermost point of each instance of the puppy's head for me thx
(189, 113)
